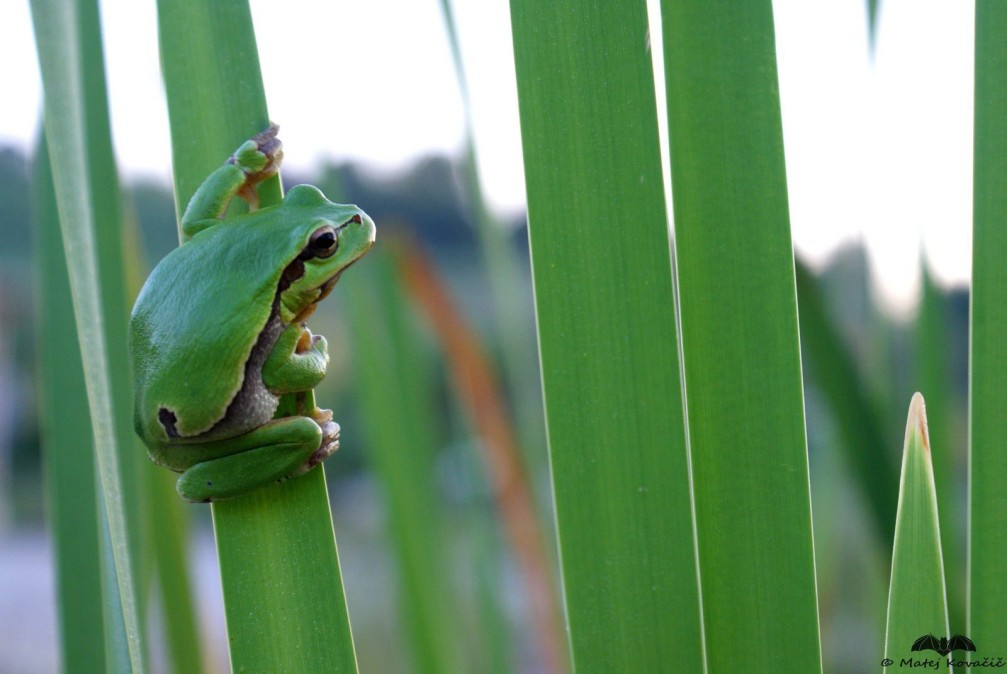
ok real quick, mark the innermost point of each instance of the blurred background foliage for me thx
(423, 211)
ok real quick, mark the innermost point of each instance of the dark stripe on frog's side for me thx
(253, 405)
(168, 419)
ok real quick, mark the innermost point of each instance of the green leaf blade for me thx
(607, 335)
(283, 593)
(210, 64)
(917, 599)
(987, 593)
(740, 335)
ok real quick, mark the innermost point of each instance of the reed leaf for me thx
(740, 336)
(917, 600)
(283, 591)
(607, 336)
(987, 593)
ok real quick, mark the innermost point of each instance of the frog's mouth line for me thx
(327, 287)
(355, 219)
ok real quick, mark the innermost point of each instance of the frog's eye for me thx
(322, 244)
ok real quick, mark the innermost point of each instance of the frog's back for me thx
(191, 337)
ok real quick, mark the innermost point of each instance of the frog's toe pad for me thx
(322, 417)
(330, 443)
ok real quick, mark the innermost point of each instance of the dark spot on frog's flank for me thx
(168, 420)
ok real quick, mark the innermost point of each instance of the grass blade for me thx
(607, 334)
(69, 461)
(917, 600)
(283, 591)
(171, 522)
(740, 335)
(87, 195)
(987, 593)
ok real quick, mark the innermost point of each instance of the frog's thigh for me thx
(286, 371)
(273, 451)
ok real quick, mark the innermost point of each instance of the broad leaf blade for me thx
(987, 593)
(607, 334)
(740, 335)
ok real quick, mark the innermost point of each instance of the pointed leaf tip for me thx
(917, 422)
(917, 595)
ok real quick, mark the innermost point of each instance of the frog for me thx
(224, 366)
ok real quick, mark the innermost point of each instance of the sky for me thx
(878, 146)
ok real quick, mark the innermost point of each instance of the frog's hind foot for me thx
(330, 443)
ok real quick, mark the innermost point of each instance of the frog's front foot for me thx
(259, 158)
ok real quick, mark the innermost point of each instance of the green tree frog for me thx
(218, 331)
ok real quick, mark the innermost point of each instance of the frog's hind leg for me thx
(279, 449)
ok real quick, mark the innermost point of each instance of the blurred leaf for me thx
(394, 380)
(607, 334)
(76, 122)
(934, 349)
(170, 520)
(873, 9)
(71, 485)
(507, 276)
(917, 603)
(740, 336)
(857, 418)
(480, 393)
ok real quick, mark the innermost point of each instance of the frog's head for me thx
(331, 237)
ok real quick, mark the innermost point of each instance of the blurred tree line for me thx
(426, 203)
